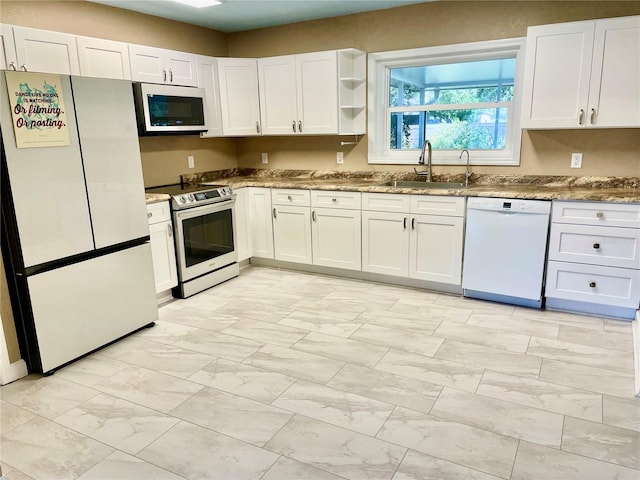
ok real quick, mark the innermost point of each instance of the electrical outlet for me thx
(265, 158)
(339, 158)
(192, 163)
(576, 160)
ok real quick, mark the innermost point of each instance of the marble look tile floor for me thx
(281, 375)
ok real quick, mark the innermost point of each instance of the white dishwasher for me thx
(505, 249)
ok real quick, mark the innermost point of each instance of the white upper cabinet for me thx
(8, 60)
(103, 58)
(583, 74)
(44, 51)
(156, 65)
(207, 69)
(299, 94)
(239, 100)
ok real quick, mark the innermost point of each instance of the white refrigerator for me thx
(75, 236)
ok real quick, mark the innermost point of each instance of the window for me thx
(458, 97)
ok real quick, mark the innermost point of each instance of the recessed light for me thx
(200, 3)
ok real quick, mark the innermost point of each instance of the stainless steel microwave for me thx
(169, 109)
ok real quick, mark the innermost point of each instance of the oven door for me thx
(205, 238)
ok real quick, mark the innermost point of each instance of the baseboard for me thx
(635, 327)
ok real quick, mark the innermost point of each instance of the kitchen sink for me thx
(408, 184)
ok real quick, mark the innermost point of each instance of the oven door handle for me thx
(204, 209)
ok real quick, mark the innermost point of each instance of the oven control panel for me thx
(202, 197)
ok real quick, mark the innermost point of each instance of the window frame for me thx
(380, 63)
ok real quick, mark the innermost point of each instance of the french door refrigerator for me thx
(75, 236)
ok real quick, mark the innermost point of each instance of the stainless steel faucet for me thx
(425, 146)
(467, 175)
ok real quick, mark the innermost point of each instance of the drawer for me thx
(438, 205)
(593, 284)
(609, 246)
(287, 196)
(597, 213)
(158, 212)
(386, 202)
(332, 199)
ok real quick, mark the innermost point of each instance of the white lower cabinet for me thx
(336, 238)
(163, 248)
(260, 226)
(243, 225)
(594, 258)
(291, 225)
(435, 248)
(398, 241)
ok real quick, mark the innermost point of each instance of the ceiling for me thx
(239, 15)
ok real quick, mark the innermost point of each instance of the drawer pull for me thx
(289, 198)
(592, 284)
(596, 246)
(149, 214)
(600, 215)
(334, 200)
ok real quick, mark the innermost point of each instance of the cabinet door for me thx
(435, 251)
(557, 72)
(317, 80)
(181, 68)
(103, 58)
(208, 79)
(292, 233)
(239, 101)
(8, 60)
(45, 51)
(163, 251)
(614, 96)
(147, 64)
(385, 243)
(277, 80)
(261, 228)
(336, 238)
(243, 239)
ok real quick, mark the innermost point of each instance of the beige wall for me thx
(608, 152)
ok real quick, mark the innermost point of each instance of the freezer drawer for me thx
(593, 284)
(608, 246)
(86, 305)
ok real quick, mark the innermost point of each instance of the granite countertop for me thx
(604, 189)
(156, 197)
(608, 189)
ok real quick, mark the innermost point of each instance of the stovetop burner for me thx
(188, 196)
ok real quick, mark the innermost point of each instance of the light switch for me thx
(339, 158)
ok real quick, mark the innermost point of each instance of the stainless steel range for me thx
(204, 226)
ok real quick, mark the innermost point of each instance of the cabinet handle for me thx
(289, 197)
(600, 215)
(334, 200)
(313, 215)
(275, 215)
(258, 127)
(149, 214)
(596, 246)
(164, 75)
(293, 126)
(299, 126)
(592, 284)
(169, 230)
(170, 75)
(24, 67)
(592, 118)
(581, 118)
(13, 66)
(404, 223)
(413, 224)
